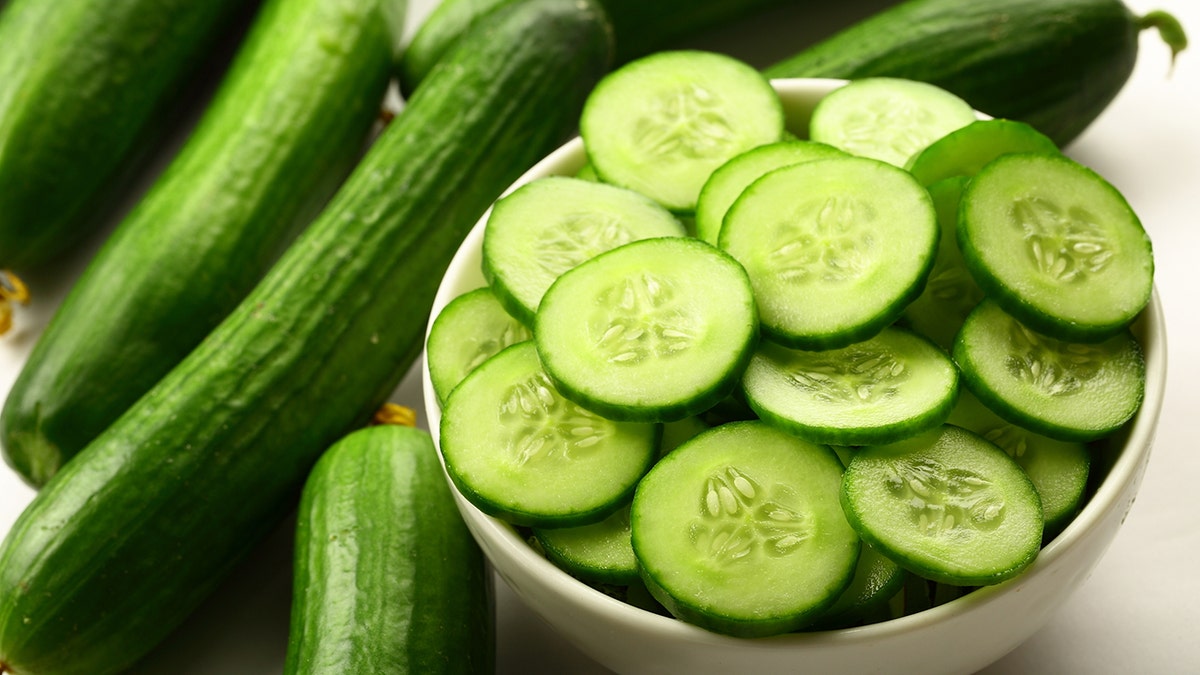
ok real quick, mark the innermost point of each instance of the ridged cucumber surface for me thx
(285, 128)
(142, 525)
(640, 26)
(1026, 60)
(83, 84)
(387, 578)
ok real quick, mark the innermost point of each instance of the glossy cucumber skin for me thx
(640, 27)
(1054, 64)
(285, 128)
(387, 578)
(142, 525)
(83, 84)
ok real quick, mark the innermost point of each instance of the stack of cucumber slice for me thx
(920, 317)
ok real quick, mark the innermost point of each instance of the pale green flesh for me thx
(1056, 245)
(947, 505)
(661, 125)
(963, 152)
(731, 178)
(1058, 469)
(877, 391)
(950, 292)
(656, 330)
(469, 330)
(1065, 390)
(835, 248)
(518, 450)
(887, 119)
(741, 529)
(550, 225)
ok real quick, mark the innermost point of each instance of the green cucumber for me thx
(640, 27)
(387, 577)
(285, 128)
(83, 85)
(1017, 59)
(144, 523)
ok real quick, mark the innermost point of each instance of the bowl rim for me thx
(1126, 469)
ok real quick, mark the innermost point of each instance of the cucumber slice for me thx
(889, 119)
(655, 330)
(1056, 246)
(739, 530)
(663, 123)
(1065, 390)
(947, 505)
(734, 176)
(876, 581)
(963, 152)
(892, 386)
(469, 330)
(598, 553)
(550, 225)
(950, 291)
(835, 248)
(518, 450)
(1058, 469)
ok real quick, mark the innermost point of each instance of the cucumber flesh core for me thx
(835, 248)
(1066, 390)
(655, 330)
(662, 124)
(739, 530)
(518, 450)
(551, 225)
(881, 390)
(1056, 246)
(947, 505)
(887, 119)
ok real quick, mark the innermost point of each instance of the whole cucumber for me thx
(141, 526)
(640, 27)
(387, 578)
(82, 86)
(1053, 64)
(285, 127)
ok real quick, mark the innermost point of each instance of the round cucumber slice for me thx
(947, 505)
(1056, 246)
(550, 225)
(655, 330)
(469, 330)
(885, 118)
(835, 248)
(519, 451)
(739, 530)
(1066, 390)
(600, 553)
(963, 152)
(663, 123)
(731, 178)
(894, 385)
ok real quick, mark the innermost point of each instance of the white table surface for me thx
(1138, 611)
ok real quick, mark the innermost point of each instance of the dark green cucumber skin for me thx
(284, 129)
(387, 578)
(82, 86)
(1053, 64)
(640, 27)
(124, 542)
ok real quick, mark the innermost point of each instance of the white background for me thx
(1137, 613)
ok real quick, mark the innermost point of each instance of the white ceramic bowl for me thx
(958, 637)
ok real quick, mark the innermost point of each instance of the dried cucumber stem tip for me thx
(12, 289)
(1169, 29)
(394, 414)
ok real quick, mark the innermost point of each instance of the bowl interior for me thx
(1116, 473)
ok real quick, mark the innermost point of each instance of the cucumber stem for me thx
(391, 413)
(1169, 29)
(12, 289)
